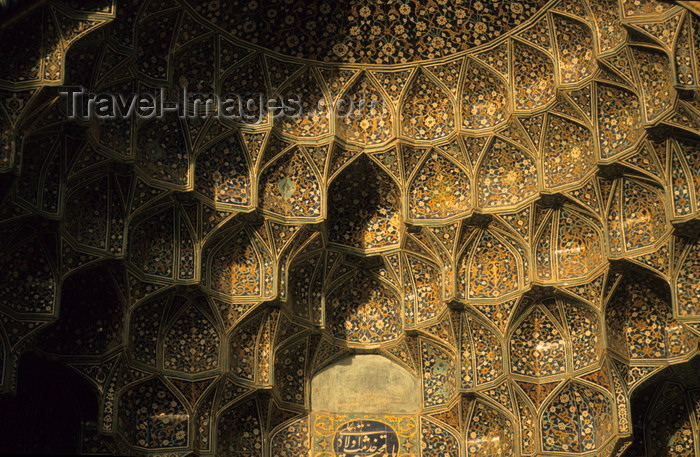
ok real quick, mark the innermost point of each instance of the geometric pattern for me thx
(508, 210)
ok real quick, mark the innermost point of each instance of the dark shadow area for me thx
(46, 414)
(91, 316)
(661, 417)
(364, 208)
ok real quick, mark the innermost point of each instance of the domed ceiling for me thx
(498, 197)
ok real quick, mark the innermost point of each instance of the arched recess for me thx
(365, 383)
(367, 117)
(307, 277)
(665, 413)
(223, 174)
(683, 181)
(491, 266)
(144, 329)
(364, 208)
(191, 340)
(578, 418)
(637, 217)
(575, 59)
(584, 324)
(687, 283)
(363, 309)
(163, 246)
(439, 373)
(291, 368)
(162, 157)
(530, 93)
(655, 81)
(427, 111)
(439, 191)
(481, 352)
(569, 245)
(507, 176)
(640, 323)
(485, 101)
(238, 265)
(538, 346)
(96, 214)
(423, 290)
(313, 118)
(489, 431)
(619, 120)
(175, 333)
(116, 137)
(292, 440)
(365, 396)
(41, 186)
(251, 347)
(240, 431)
(244, 79)
(569, 153)
(290, 189)
(151, 416)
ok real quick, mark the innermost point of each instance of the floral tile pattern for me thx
(501, 197)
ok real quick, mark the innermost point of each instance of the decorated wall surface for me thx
(492, 252)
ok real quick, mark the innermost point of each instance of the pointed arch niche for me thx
(365, 402)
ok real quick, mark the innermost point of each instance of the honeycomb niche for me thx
(475, 235)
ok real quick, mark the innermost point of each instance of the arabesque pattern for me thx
(501, 197)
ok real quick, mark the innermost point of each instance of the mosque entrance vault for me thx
(396, 228)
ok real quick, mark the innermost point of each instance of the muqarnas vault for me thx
(503, 260)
